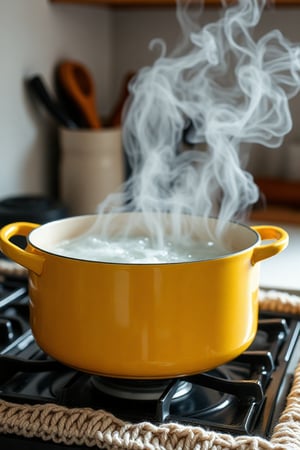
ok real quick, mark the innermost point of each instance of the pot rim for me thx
(34, 235)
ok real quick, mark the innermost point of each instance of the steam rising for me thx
(219, 89)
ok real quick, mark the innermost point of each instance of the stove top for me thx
(244, 397)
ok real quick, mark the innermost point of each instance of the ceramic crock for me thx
(142, 321)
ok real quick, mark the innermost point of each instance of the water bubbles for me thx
(139, 250)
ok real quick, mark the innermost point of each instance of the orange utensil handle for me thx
(78, 84)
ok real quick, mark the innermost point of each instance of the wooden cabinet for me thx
(280, 200)
(163, 2)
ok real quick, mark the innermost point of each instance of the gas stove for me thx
(244, 397)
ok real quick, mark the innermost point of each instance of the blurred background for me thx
(111, 41)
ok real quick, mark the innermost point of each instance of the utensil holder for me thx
(91, 167)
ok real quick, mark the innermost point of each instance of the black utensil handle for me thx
(38, 87)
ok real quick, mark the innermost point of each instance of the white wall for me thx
(35, 35)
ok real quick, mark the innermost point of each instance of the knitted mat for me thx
(85, 426)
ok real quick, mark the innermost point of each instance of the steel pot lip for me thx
(32, 235)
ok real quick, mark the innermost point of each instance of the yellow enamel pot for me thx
(142, 320)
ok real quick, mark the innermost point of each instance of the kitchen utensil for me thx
(38, 88)
(77, 83)
(143, 320)
(116, 116)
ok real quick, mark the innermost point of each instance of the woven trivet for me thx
(85, 426)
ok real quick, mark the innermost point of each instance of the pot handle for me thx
(26, 259)
(278, 238)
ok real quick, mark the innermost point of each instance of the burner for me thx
(139, 389)
(156, 400)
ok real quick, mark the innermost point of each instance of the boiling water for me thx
(139, 250)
